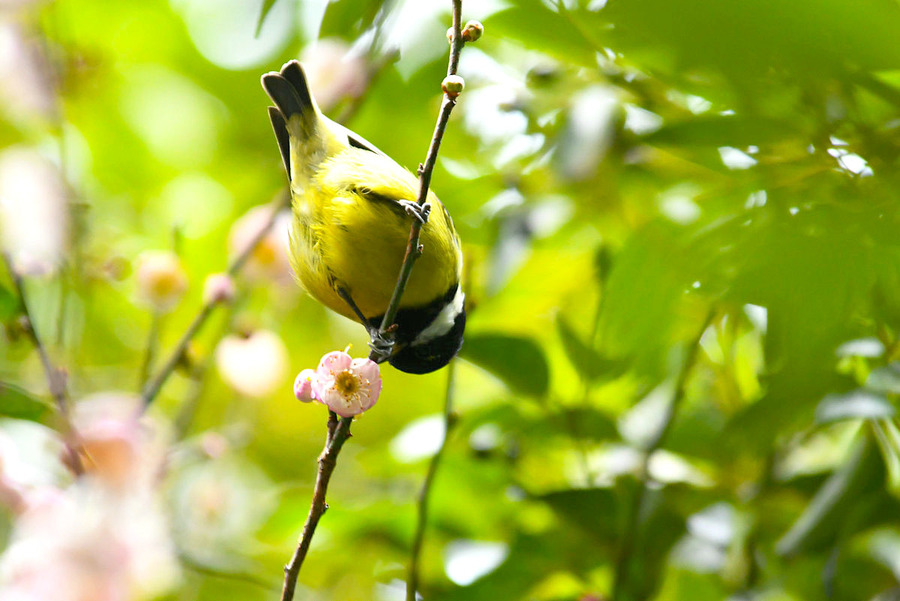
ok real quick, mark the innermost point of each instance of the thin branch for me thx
(425, 171)
(150, 349)
(338, 433)
(412, 583)
(626, 549)
(175, 357)
(188, 410)
(56, 377)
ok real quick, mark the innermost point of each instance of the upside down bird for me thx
(352, 206)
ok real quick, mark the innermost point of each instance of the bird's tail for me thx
(295, 113)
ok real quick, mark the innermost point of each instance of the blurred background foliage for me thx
(681, 369)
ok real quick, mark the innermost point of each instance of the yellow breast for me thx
(342, 238)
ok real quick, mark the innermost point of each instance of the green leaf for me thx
(19, 404)
(594, 510)
(264, 9)
(540, 28)
(8, 304)
(589, 363)
(823, 518)
(856, 404)
(348, 18)
(721, 131)
(516, 360)
(885, 379)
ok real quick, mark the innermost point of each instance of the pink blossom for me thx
(254, 365)
(303, 386)
(347, 386)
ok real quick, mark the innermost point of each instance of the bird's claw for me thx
(382, 346)
(419, 212)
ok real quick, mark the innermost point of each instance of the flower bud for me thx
(453, 85)
(161, 279)
(450, 34)
(303, 386)
(472, 31)
(218, 288)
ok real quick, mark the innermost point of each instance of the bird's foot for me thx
(382, 345)
(414, 209)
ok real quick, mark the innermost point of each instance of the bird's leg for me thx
(382, 345)
(414, 209)
(342, 292)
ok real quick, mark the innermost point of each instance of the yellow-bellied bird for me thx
(352, 207)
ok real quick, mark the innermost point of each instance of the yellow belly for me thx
(340, 238)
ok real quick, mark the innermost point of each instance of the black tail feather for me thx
(283, 94)
(290, 93)
(281, 134)
(293, 72)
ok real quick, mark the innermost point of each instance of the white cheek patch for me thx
(444, 320)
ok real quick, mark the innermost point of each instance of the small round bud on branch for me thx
(453, 85)
(303, 386)
(218, 288)
(450, 34)
(472, 31)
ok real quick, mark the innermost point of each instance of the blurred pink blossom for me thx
(34, 216)
(334, 71)
(161, 279)
(83, 545)
(104, 537)
(26, 86)
(347, 386)
(255, 364)
(120, 449)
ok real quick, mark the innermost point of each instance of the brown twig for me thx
(425, 171)
(338, 433)
(412, 583)
(56, 377)
(626, 548)
(175, 357)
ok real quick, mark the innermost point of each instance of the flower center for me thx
(346, 383)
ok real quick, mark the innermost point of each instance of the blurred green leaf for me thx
(533, 24)
(885, 379)
(265, 7)
(718, 130)
(745, 40)
(588, 423)
(856, 404)
(20, 404)
(9, 304)
(531, 557)
(825, 515)
(588, 362)
(594, 510)
(518, 361)
(348, 18)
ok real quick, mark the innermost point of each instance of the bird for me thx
(352, 208)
